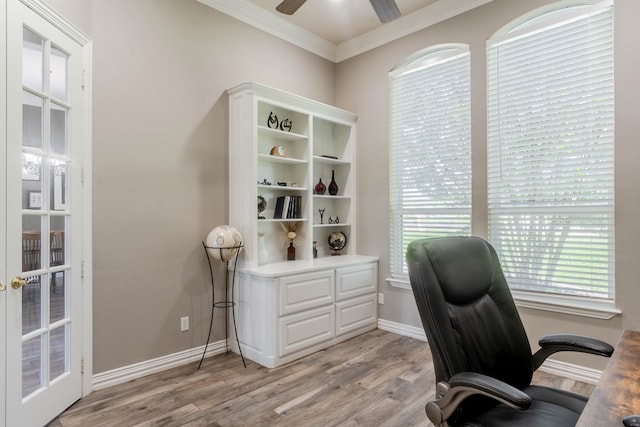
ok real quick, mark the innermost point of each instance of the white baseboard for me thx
(142, 369)
(571, 371)
(555, 367)
(401, 329)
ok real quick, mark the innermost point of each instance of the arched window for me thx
(550, 149)
(430, 148)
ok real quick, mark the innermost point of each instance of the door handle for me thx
(18, 282)
(2, 287)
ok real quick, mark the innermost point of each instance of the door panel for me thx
(46, 124)
(3, 224)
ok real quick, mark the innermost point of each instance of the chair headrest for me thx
(463, 266)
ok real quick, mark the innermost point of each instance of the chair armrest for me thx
(550, 344)
(465, 384)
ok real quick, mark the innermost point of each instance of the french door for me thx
(46, 230)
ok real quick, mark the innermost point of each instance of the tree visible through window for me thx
(430, 150)
(550, 151)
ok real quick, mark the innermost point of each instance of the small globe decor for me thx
(262, 205)
(223, 242)
(337, 241)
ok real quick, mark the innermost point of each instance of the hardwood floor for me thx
(376, 379)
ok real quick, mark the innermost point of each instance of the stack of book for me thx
(288, 207)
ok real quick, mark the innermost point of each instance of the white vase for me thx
(262, 250)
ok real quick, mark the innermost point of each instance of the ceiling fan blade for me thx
(387, 10)
(289, 7)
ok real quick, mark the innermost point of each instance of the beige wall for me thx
(362, 88)
(161, 68)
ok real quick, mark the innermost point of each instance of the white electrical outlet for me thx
(184, 323)
(380, 298)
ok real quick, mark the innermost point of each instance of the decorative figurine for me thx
(272, 121)
(321, 214)
(286, 125)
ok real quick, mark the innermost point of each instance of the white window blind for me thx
(430, 150)
(550, 152)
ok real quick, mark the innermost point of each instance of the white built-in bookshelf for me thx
(280, 146)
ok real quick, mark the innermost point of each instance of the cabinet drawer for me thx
(304, 291)
(302, 330)
(356, 280)
(355, 313)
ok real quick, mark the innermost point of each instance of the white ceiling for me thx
(339, 20)
(340, 29)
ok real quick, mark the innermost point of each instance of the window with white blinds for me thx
(550, 152)
(430, 149)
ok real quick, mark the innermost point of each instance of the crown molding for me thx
(254, 15)
(420, 19)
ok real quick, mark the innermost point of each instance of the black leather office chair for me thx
(481, 354)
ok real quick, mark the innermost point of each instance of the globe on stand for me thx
(223, 242)
(337, 241)
(262, 205)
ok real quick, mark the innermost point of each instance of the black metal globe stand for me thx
(226, 303)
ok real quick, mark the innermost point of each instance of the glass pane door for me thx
(45, 123)
(45, 217)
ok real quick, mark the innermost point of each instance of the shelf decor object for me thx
(279, 150)
(293, 308)
(320, 188)
(333, 185)
(291, 250)
(262, 205)
(223, 243)
(337, 241)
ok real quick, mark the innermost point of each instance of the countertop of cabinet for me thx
(297, 267)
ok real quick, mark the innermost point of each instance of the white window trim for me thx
(576, 306)
(399, 282)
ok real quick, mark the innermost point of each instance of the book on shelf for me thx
(279, 207)
(297, 213)
(288, 207)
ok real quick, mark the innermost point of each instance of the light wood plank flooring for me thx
(376, 379)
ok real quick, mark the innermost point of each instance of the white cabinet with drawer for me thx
(356, 280)
(289, 310)
(300, 292)
(303, 330)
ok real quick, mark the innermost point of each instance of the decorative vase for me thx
(291, 252)
(320, 188)
(333, 186)
(262, 250)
